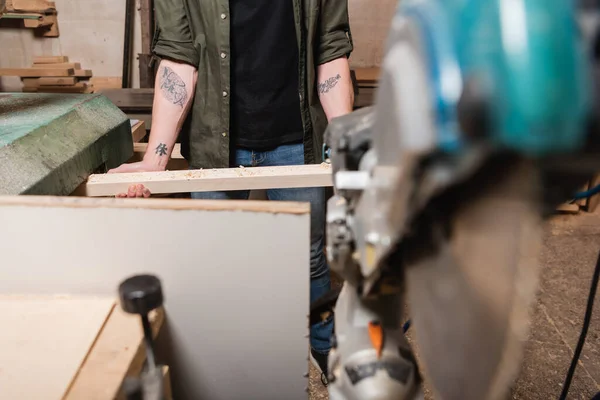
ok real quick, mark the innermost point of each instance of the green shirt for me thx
(196, 32)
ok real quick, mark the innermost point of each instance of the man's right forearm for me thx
(173, 96)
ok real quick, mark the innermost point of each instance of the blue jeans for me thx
(293, 154)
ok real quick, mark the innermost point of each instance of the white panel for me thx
(236, 283)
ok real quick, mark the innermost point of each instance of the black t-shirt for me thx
(265, 102)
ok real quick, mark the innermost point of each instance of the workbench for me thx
(70, 347)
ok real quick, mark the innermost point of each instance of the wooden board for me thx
(202, 257)
(49, 81)
(70, 80)
(35, 6)
(118, 352)
(367, 75)
(50, 59)
(81, 87)
(138, 131)
(37, 72)
(83, 73)
(212, 180)
(75, 66)
(106, 82)
(44, 340)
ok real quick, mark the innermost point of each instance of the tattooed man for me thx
(252, 83)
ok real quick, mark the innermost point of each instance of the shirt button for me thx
(224, 94)
(224, 134)
(223, 16)
(223, 55)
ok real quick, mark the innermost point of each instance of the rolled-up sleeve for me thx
(335, 36)
(173, 37)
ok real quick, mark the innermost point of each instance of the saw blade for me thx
(470, 301)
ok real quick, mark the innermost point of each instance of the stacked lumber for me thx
(53, 74)
(39, 15)
(366, 77)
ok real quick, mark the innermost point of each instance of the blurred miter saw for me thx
(484, 119)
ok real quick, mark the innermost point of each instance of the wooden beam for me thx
(58, 65)
(138, 132)
(36, 72)
(367, 75)
(106, 82)
(223, 179)
(50, 59)
(32, 6)
(83, 73)
(50, 81)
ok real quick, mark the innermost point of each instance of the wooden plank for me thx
(223, 179)
(50, 59)
(36, 72)
(83, 73)
(138, 132)
(44, 340)
(75, 66)
(77, 88)
(118, 352)
(50, 81)
(367, 75)
(31, 82)
(143, 147)
(33, 6)
(106, 82)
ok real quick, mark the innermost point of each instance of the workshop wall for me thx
(370, 23)
(91, 33)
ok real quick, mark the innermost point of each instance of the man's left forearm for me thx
(334, 86)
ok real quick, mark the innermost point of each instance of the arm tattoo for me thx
(329, 84)
(173, 87)
(161, 149)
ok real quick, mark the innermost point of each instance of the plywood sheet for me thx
(43, 342)
(235, 279)
(118, 352)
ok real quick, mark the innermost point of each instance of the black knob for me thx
(140, 294)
